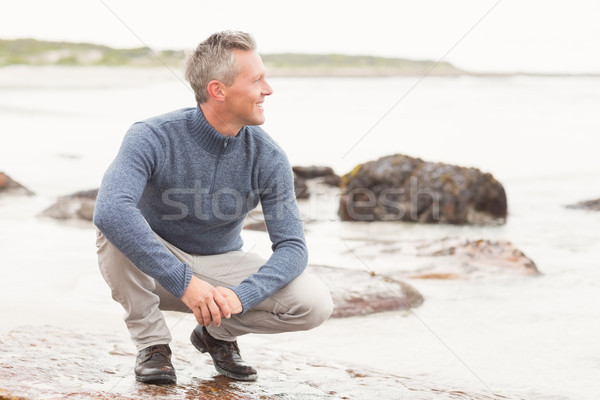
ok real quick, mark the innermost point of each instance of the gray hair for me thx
(213, 60)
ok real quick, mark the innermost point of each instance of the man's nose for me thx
(267, 89)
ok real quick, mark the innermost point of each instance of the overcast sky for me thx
(479, 35)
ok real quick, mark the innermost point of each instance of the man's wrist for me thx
(233, 300)
(247, 296)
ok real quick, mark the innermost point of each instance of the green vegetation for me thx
(341, 64)
(36, 52)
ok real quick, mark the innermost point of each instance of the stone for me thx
(10, 186)
(301, 188)
(403, 188)
(303, 177)
(332, 180)
(76, 206)
(357, 292)
(447, 258)
(469, 259)
(590, 205)
(312, 172)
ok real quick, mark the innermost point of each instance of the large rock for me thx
(361, 292)
(56, 363)
(402, 188)
(10, 186)
(78, 206)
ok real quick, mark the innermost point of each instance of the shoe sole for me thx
(199, 345)
(157, 379)
(246, 378)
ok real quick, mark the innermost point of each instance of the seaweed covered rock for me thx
(403, 188)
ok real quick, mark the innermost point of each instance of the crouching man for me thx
(170, 212)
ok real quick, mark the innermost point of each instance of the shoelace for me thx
(231, 348)
(162, 350)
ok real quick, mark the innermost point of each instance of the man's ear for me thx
(215, 90)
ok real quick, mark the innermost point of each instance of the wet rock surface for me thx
(403, 188)
(475, 258)
(10, 186)
(79, 205)
(361, 292)
(44, 362)
(591, 205)
(447, 258)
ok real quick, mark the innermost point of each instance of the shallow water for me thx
(535, 338)
(48, 362)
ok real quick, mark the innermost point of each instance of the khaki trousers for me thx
(303, 304)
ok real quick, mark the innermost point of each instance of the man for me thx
(170, 212)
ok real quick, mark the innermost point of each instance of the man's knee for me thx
(319, 313)
(314, 304)
(122, 277)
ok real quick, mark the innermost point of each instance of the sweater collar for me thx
(208, 138)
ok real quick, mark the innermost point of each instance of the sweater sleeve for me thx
(117, 216)
(285, 228)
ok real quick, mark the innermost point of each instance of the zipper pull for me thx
(225, 144)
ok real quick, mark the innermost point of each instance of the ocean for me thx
(539, 136)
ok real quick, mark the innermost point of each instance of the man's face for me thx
(245, 96)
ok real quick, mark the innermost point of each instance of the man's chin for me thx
(258, 121)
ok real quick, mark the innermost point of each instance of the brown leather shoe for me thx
(226, 355)
(153, 365)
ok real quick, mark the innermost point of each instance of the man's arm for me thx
(285, 228)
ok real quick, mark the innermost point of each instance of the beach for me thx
(521, 337)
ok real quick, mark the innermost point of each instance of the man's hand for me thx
(206, 302)
(235, 305)
(209, 303)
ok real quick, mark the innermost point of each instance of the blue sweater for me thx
(177, 176)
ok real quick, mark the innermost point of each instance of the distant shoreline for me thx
(274, 72)
(32, 52)
(366, 73)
